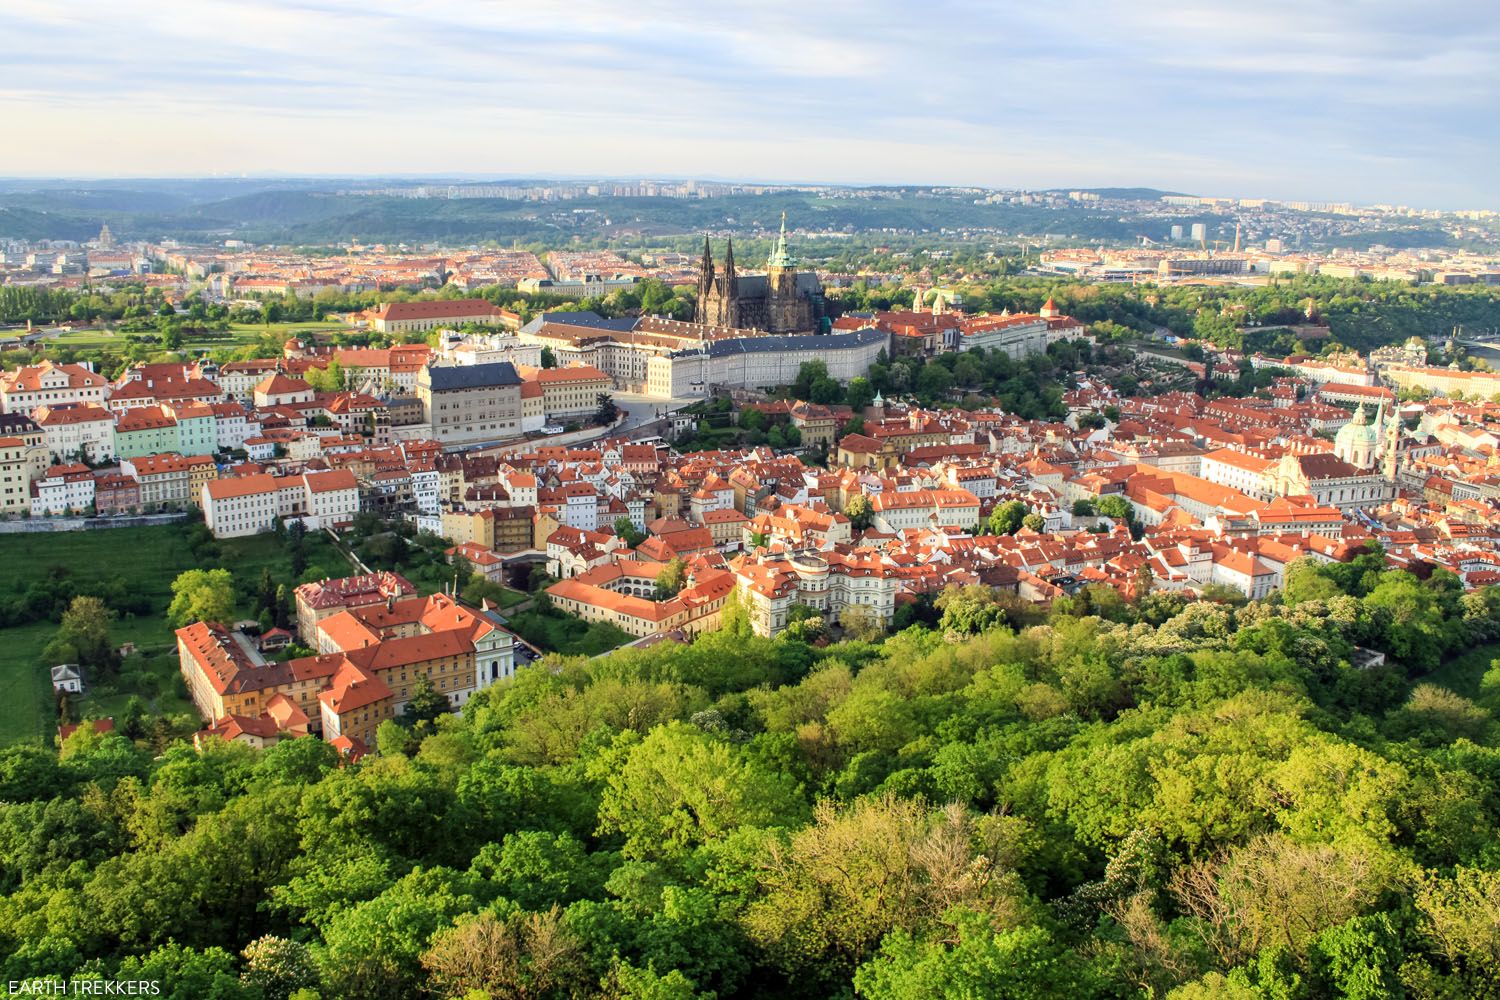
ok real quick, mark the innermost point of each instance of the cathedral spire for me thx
(705, 281)
(729, 296)
(779, 257)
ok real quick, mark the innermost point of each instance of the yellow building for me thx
(15, 476)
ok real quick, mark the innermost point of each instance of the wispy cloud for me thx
(1370, 99)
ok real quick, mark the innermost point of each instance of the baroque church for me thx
(783, 300)
(1362, 471)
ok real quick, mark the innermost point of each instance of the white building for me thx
(899, 511)
(78, 430)
(332, 498)
(63, 489)
(1249, 474)
(830, 582)
(247, 505)
(50, 384)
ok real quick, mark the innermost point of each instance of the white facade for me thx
(62, 492)
(234, 508)
(92, 440)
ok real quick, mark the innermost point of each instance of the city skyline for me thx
(1373, 104)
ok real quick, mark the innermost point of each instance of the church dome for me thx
(1357, 439)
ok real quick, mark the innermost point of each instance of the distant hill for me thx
(300, 213)
(26, 224)
(1128, 193)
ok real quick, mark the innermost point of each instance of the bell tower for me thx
(1391, 460)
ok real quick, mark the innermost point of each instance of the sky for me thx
(1357, 100)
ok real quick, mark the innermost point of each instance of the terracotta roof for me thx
(435, 309)
(323, 482)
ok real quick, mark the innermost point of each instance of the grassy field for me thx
(248, 333)
(1462, 674)
(238, 335)
(86, 339)
(148, 559)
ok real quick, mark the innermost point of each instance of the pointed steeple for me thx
(705, 281)
(780, 258)
(729, 293)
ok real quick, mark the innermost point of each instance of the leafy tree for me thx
(278, 967)
(671, 578)
(830, 895)
(329, 379)
(518, 955)
(984, 961)
(202, 595)
(84, 636)
(186, 973)
(1304, 581)
(1007, 517)
(860, 394)
(808, 374)
(627, 531)
(861, 623)
(1117, 507)
(934, 381)
(607, 409)
(427, 703)
(680, 787)
(859, 512)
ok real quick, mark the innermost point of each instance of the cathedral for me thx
(783, 300)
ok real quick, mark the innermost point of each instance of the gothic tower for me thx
(729, 294)
(705, 282)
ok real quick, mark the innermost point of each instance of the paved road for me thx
(641, 409)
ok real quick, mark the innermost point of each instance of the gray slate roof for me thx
(446, 377)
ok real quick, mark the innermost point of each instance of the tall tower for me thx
(729, 293)
(705, 282)
(780, 264)
(787, 311)
(1391, 464)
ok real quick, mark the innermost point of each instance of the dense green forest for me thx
(1199, 800)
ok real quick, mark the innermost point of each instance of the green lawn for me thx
(555, 632)
(147, 560)
(238, 335)
(248, 333)
(85, 339)
(24, 684)
(1462, 674)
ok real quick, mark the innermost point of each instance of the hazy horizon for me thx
(1373, 102)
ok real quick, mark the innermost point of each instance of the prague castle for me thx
(783, 300)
